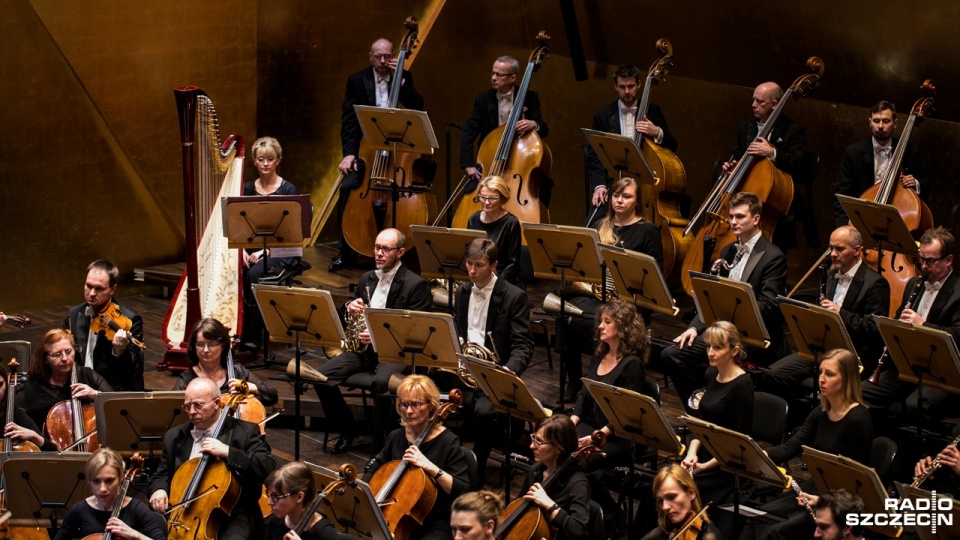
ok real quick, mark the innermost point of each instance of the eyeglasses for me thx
(412, 405)
(275, 497)
(538, 442)
(208, 345)
(500, 75)
(189, 406)
(930, 261)
(488, 199)
(385, 249)
(59, 354)
(383, 56)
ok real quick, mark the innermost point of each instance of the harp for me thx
(211, 285)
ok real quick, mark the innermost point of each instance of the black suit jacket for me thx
(868, 294)
(361, 90)
(124, 373)
(407, 291)
(787, 136)
(486, 117)
(607, 119)
(856, 173)
(249, 460)
(945, 312)
(509, 320)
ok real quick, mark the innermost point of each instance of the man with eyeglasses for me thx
(117, 360)
(491, 109)
(392, 286)
(238, 446)
(369, 86)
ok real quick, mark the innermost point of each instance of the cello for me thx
(661, 201)
(523, 162)
(136, 463)
(205, 490)
(758, 176)
(348, 475)
(6, 531)
(406, 494)
(896, 268)
(71, 424)
(249, 408)
(523, 519)
(8, 444)
(371, 207)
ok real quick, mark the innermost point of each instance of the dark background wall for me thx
(90, 150)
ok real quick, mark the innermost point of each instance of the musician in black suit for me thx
(620, 117)
(867, 162)
(392, 286)
(491, 109)
(764, 267)
(366, 87)
(238, 444)
(856, 292)
(118, 361)
(491, 305)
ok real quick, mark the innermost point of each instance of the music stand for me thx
(15, 349)
(923, 356)
(355, 511)
(739, 454)
(44, 483)
(396, 130)
(130, 422)
(724, 299)
(635, 417)
(832, 472)
(881, 226)
(442, 252)
(620, 156)
(944, 532)
(816, 330)
(556, 250)
(639, 275)
(509, 395)
(301, 317)
(413, 338)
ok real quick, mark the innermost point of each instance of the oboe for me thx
(875, 377)
(934, 465)
(806, 503)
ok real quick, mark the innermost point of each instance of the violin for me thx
(110, 320)
(8, 443)
(72, 424)
(761, 177)
(20, 321)
(136, 463)
(406, 494)
(691, 529)
(249, 408)
(523, 519)
(205, 490)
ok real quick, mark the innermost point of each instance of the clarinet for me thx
(875, 377)
(825, 266)
(806, 503)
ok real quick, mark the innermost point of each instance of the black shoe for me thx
(339, 264)
(344, 444)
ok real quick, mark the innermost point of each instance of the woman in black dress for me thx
(439, 455)
(678, 503)
(290, 491)
(501, 226)
(19, 428)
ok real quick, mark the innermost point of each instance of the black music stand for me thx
(739, 455)
(301, 317)
(923, 356)
(413, 338)
(442, 252)
(832, 472)
(130, 422)
(724, 299)
(555, 251)
(638, 418)
(509, 395)
(355, 511)
(396, 130)
(881, 226)
(44, 483)
(18, 349)
(941, 532)
(815, 329)
(639, 275)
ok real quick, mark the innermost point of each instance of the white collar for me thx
(851, 272)
(389, 273)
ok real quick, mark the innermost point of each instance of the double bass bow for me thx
(524, 161)
(72, 424)
(758, 176)
(136, 463)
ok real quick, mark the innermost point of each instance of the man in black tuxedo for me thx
(392, 286)
(491, 110)
(755, 261)
(369, 86)
(488, 304)
(238, 445)
(856, 292)
(118, 361)
(620, 117)
(867, 162)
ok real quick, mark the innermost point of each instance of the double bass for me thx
(758, 176)
(72, 424)
(896, 268)
(523, 162)
(372, 207)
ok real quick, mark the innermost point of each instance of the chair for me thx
(882, 453)
(769, 417)
(362, 382)
(595, 526)
(652, 389)
(472, 468)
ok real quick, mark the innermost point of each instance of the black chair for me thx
(769, 417)
(361, 384)
(471, 459)
(595, 527)
(882, 453)
(652, 389)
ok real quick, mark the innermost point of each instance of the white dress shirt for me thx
(379, 297)
(843, 283)
(477, 313)
(737, 271)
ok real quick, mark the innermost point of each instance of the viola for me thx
(523, 519)
(405, 493)
(522, 161)
(72, 424)
(9, 445)
(110, 320)
(370, 208)
(20, 321)
(249, 408)
(758, 176)
(136, 463)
